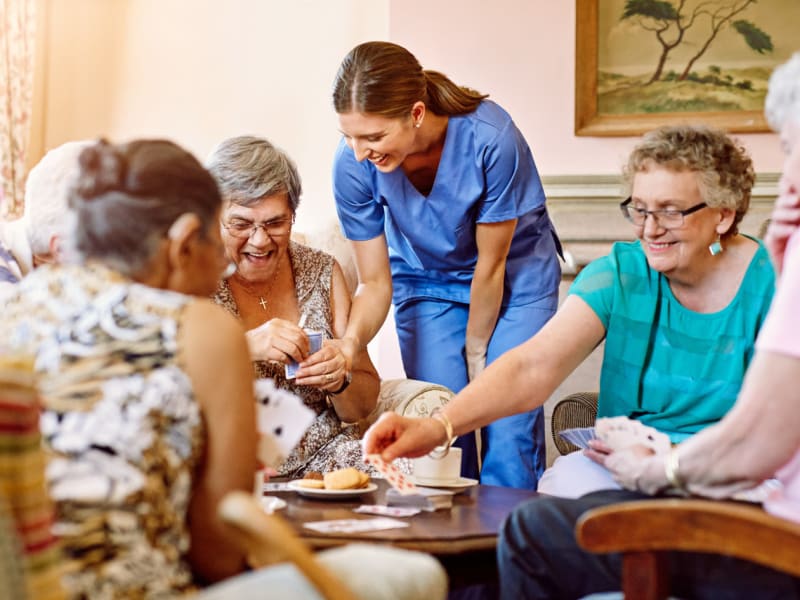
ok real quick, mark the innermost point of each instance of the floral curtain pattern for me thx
(17, 43)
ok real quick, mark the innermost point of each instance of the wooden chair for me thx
(646, 531)
(575, 410)
(267, 539)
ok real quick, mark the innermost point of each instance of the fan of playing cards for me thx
(282, 421)
(621, 432)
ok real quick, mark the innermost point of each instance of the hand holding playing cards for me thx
(633, 452)
(325, 369)
(393, 436)
(278, 340)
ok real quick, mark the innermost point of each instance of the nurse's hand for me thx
(476, 358)
(393, 436)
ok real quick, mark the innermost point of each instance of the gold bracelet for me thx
(671, 466)
(438, 415)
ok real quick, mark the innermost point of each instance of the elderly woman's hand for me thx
(635, 467)
(278, 340)
(393, 436)
(326, 369)
(784, 221)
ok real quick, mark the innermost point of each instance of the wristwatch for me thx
(348, 377)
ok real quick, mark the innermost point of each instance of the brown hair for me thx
(382, 78)
(127, 196)
(724, 171)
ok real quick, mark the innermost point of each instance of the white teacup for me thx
(438, 471)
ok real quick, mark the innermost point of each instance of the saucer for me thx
(459, 484)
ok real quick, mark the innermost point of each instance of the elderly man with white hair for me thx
(34, 238)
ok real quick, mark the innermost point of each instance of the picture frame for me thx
(593, 121)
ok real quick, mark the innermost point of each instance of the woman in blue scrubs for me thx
(438, 192)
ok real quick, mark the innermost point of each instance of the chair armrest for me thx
(575, 410)
(267, 539)
(728, 528)
(407, 397)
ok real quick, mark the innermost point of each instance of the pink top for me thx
(781, 334)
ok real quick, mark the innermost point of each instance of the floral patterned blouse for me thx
(328, 444)
(120, 424)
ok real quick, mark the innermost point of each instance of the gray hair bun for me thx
(102, 170)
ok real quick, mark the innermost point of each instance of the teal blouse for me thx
(669, 367)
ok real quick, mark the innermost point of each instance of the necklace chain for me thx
(250, 291)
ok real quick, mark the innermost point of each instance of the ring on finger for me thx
(328, 377)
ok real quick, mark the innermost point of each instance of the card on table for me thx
(355, 525)
(579, 436)
(387, 511)
(276, 486)
(282, 420)
(314, 343)
(392, 474)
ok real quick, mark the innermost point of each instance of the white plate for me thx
(272, 503)
(461, 483)
(330, 494)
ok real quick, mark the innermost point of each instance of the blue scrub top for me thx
(486, 175)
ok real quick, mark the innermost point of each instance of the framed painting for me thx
(640, 64)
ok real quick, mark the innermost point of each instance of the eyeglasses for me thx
(669, 218)
(239, 228)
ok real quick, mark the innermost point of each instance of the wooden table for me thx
(463, 538)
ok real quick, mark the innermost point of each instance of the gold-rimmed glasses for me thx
(242, 228)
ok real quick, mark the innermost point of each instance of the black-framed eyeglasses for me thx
(241, 228)
(668, 218)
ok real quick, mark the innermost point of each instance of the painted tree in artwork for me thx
(670, 20)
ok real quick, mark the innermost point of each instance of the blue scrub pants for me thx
(539, 559)
(432, 334)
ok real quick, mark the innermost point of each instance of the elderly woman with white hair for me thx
(35, 237)
(538, 554)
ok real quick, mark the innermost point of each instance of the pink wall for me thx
(522, 52)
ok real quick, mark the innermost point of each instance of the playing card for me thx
(579, 436)
(282, 421)
(355, 525)
(315, 344)
(622, 432)
(276, 486)
(391, 473)
(387, 511)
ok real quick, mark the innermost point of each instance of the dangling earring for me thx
(716, 248)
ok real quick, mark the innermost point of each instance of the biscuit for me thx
(313, 475)
(343, 479)
(316, 484)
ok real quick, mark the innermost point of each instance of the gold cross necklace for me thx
(250, 291)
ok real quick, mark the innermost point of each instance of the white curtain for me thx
(17, 43)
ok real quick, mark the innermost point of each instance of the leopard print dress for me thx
(120, 424)
(328, 444)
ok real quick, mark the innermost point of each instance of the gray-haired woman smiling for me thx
(279, 282)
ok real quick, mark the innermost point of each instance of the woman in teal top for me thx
(670, 367)
(679, 310)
